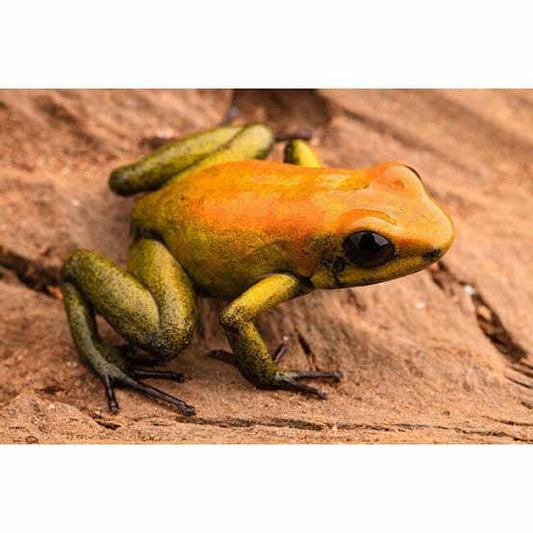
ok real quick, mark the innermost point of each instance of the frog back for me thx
(232, 224)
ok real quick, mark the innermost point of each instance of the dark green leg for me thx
(254, 141)
(194, 152)
(153, 171)
(250, 354)
(152, 306)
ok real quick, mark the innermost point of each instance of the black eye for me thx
(368, 249)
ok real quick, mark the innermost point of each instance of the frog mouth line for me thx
(423, 261)
(433, 255)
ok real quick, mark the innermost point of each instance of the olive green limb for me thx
(250, 353)
(137, 306)
(154, 170)
(298, 152)
(254, 141)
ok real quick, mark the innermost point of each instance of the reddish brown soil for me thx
(426, 358)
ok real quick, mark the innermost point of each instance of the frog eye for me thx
(368, 249)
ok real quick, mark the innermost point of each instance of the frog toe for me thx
(118, 378)
(333, 376)
(112, 403)
(287, 381)
(290, 380)
(158, 374)
(281, 350)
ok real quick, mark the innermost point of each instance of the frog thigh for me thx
(254, 141)
(156, 169)
(152, 306)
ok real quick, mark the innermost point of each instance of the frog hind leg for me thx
(250, 354)
(152, 305)
(191, 154)
(254, 141)
(154, 170)
(227, 142)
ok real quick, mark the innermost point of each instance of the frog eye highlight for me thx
(368, 249)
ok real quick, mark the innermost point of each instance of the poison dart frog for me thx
(219, 220)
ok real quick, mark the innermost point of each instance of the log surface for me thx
(444, 355)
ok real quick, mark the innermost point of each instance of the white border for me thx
(274, 44)
(411, 43)
(258, 488)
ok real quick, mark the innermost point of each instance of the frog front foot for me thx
(289, 380)
(282, 379)
(229, 357)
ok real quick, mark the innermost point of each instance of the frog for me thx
(216, 218)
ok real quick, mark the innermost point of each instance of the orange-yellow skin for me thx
(232, 224)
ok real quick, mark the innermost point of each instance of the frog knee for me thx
(170, 342)
(76, 261)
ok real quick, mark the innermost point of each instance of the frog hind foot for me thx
(152, 306)
(110, 365)
(116, 378)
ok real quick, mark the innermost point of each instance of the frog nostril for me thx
(433, 255)
(338, 265)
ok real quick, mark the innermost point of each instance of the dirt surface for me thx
(426, 358)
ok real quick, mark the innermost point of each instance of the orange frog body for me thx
(219, 221)
(234, 223)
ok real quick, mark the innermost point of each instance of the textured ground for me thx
(426, 358)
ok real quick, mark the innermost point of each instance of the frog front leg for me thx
(298, 152)
(152, 305)
(250, 353)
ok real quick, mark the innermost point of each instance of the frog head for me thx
(391, 227)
